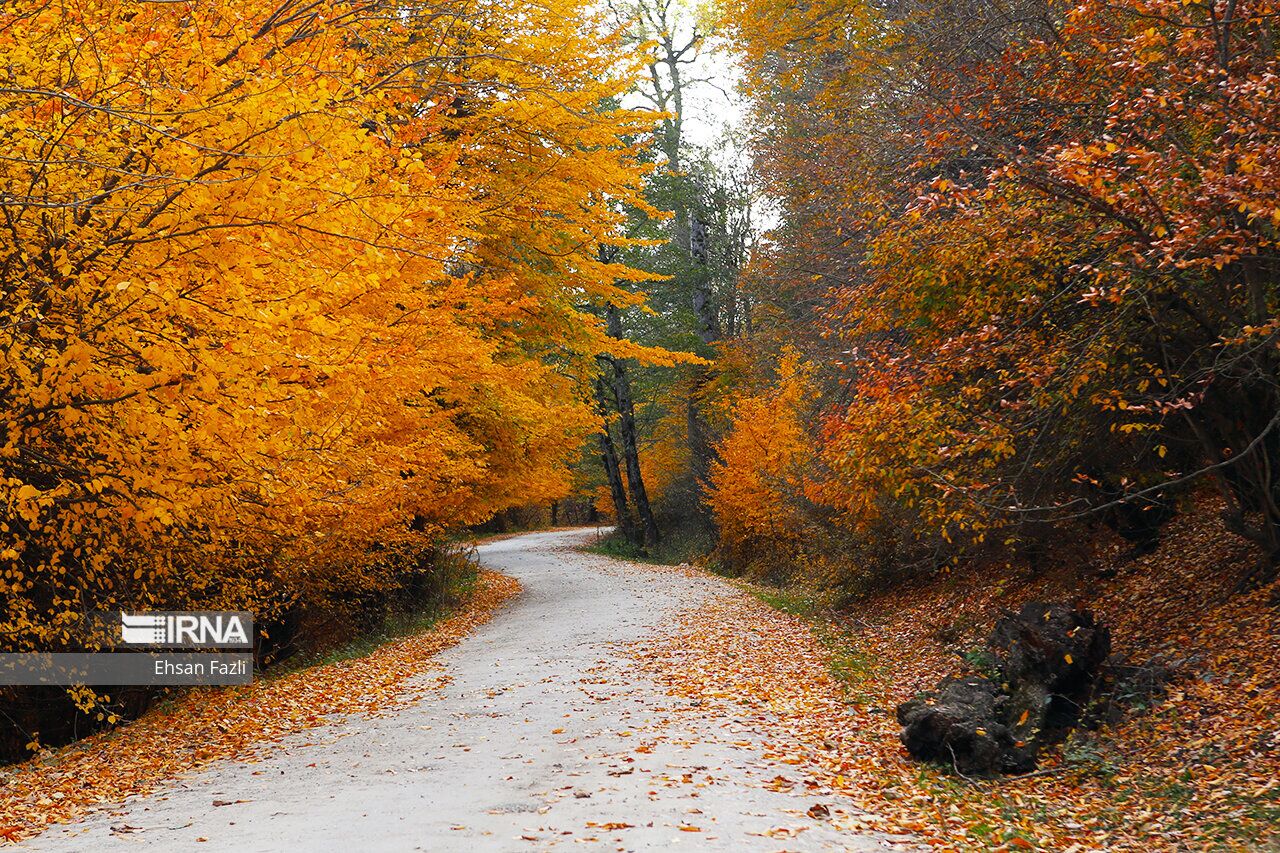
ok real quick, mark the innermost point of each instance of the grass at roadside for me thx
(679, 545)
(459, 589)
(847, 662)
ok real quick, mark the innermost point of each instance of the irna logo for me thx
(187, 630)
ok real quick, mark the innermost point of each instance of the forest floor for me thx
(1194, 769)
(537, 730)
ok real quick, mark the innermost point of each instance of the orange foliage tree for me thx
(759, 479)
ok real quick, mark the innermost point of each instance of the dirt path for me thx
(546, 737)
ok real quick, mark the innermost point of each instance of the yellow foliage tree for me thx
(290, 288)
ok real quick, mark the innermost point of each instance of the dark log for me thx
(1048, 659)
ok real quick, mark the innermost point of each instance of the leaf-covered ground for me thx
(202, 725)
(1197, 770)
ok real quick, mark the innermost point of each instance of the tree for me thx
(291, 289)
(1041, 243)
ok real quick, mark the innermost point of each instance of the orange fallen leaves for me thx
(206, 724)
(1197, 771)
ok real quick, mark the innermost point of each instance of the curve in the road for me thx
(544, 737)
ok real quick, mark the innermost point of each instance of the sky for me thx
(716, 113)
(715, 107)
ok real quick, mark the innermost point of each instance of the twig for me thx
(1048, 771)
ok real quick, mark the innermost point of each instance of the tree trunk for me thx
(700, 450)
(609, 458)
(627, 429)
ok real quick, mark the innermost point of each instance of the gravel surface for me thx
(545, 736)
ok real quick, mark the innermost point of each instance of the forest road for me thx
(546, 736)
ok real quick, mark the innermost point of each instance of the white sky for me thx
(715, 107)
(715, 114)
